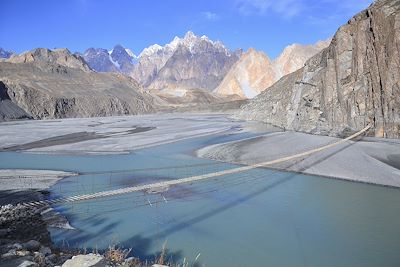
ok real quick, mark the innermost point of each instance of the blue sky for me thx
(267, 25)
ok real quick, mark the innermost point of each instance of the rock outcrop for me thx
(88, 260)
(356, 80)
(255, 72)
(23, 224)
(8, 109)
(48, 86)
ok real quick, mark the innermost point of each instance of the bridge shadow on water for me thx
(142, 245)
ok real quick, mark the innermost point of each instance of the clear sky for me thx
(267, 25)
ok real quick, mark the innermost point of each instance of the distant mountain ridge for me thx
(196, 62)
(255, 72)
(61, 56)
(190, 62)
(119, 59)
(5, 53)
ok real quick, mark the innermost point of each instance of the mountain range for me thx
(333, 87)
(195, 62)
(119, 59)
(255, 71)
(191, 63)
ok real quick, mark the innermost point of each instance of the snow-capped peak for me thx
(189, 41)
(189, 36)
(148, 51)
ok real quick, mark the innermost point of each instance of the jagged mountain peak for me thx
(5, 54)
(119, 59)
(189, 41)
(295, 55)
(121, 49)
(158, 62)
(255, 71)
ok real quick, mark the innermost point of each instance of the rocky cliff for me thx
(356, 80)
(47, 86)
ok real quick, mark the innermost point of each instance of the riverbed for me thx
(263, 217)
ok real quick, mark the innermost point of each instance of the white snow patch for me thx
(189, 41)
(130, 53)
(148, 51)
(116, 64)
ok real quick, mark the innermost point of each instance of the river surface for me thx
(258, 218)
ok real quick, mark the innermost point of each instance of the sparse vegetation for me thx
(116, 255)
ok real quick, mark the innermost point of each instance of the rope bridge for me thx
(160, 186)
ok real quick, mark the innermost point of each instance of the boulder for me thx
(31, 245)
(89, 260)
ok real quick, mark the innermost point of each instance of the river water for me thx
(259, 218)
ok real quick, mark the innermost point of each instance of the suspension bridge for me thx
(165, 185)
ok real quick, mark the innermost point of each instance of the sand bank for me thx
(370, 160)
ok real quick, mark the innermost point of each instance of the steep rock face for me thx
(190, 62)
(255, 72)
(123, 58)
(61, 57)
(119, 59)
(99, 60)
(150, 62)
(249, 76)
(356, 80)
(8, 109)
(45, 89)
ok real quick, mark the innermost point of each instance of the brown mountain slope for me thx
(44, 88)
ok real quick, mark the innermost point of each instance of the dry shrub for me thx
(116, 255)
